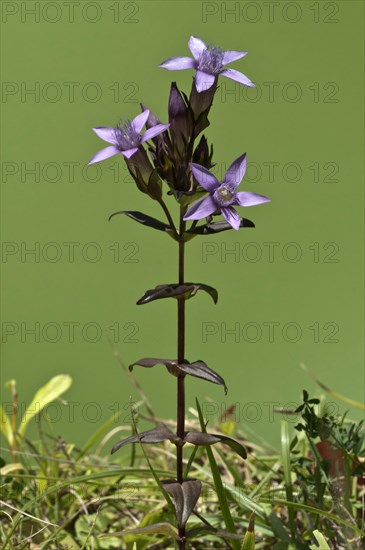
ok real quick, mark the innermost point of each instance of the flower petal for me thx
(250, 199)
(201, 209)
(129, 152)
(196, 46)
(107, 133)
(203, 81)
(230, 56)
(236, 171)
(154, 131)
(204, 177)
(178, 63)
(238, 77)
(231, 217)
(140, 121)
(152, 119)
(104, 154)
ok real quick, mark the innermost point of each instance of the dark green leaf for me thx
(156, 435)
(185, 496)
(217, 227)
(144, 219)
(201, 438)
(149, 362)
(184, 291)
(199, 369)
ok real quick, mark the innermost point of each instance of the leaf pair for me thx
(198, 369)
(162, 433)
(173, 290)
(217, 227)
(185, 496)
(210, 228)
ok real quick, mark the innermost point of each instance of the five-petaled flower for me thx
(126, 138)
(222, 195)
(209, 62)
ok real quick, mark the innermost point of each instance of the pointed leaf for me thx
(184, 291)
(201, 438)
(45, 395)
(249, 540)
(144, 219)
(185, 496)
(149, 362)
(156, 435)
(217, 227)
(197, 369)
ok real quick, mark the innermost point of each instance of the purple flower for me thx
(209, 63)
(126, 137)
(222, 195)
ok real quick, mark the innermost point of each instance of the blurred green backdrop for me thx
(290, 290)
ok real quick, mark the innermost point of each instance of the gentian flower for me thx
(126, 137)
(209, 62)
(222, 195)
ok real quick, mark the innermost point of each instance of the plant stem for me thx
(180, 428)
(168, 215)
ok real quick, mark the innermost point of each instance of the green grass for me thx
(57, 496)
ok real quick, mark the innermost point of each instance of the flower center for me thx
(126, 135)
(211, 60)
(224, 196)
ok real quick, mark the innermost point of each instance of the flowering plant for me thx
(175, 159)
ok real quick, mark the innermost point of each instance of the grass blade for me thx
(221, 493)
(285, 452)
(249, 540)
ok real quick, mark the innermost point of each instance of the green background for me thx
(307, 61)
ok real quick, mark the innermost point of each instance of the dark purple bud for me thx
(180, 119)
(140, 169)
(200, 104)
(152, 119)
(202, 155)
(176, 107)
